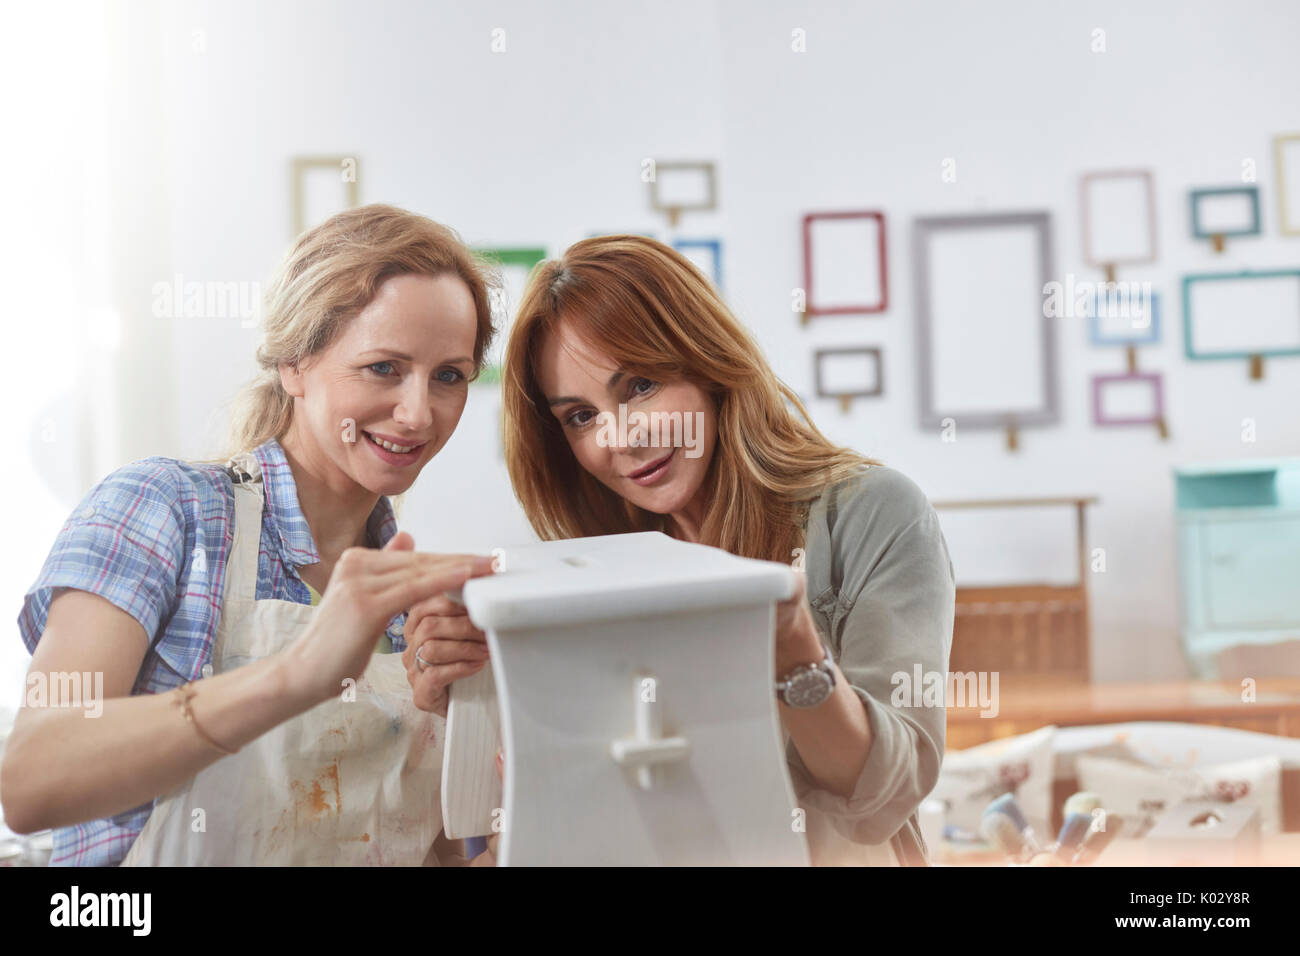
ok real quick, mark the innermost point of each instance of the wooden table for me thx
(1027, 705)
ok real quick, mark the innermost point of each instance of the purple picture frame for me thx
(1099, 382)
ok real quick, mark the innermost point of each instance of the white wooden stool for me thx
(636, 709)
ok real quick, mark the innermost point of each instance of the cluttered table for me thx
(1266, 706)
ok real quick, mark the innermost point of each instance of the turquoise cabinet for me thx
(1239, 560)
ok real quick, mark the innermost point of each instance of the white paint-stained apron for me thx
(349, 782)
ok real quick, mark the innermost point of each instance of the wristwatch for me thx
(808, 684)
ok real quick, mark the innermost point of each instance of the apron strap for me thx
(241, 564)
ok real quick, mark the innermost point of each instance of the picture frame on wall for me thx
(1249, 315)
(515, 263)
(1224, 212)
(979, 286)
(320, 187)
(1118, 216)
(849, 372)
(1286, 169)
(679, 186)
(845, 263)
(1131, 398)
(705, 254)
(1128, 321)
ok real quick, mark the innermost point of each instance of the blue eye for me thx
(456, 376)
(381, 368)
(634, 387)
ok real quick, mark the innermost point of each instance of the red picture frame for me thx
(811, 309)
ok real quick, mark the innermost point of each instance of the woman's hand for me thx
(366, 588)
(449, 646)
(796, 634)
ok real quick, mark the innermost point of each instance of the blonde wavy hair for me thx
(656, 315)
(332, 272)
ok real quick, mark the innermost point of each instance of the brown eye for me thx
(573, 419)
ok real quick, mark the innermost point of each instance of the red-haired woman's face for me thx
(648, 441)
(397, 374)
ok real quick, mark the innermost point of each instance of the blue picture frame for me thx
(713, 245)
(1194, 197)
(1150, 337)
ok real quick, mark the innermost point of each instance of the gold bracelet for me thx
(187, 694)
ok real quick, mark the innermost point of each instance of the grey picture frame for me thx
(706, 168)
(923, 230)
(873, 353)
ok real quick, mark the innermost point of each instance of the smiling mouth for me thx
(652, 467)
(393, 446)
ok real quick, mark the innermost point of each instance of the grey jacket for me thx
(881, 587)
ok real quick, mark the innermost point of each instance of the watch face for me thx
(808, 689)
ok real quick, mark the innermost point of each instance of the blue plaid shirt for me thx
(153, 538)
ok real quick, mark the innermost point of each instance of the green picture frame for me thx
(505, 258)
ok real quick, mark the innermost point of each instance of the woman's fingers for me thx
(439, 605)
(444, 629)
(399, 589)
(439, 617)
(430, 697)
(378, 561)
(439, 651)
(429, 686)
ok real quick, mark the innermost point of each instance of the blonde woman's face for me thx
(397, 373)
(655, 450)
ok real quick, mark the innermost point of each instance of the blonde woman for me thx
(245, 618)
(622, 325)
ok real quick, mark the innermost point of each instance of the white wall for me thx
(543, 144)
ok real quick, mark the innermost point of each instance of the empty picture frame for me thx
(515, 263)
(322, 186)
(1125, 314)
(1119, 218)
(1223, 212)
(849, 373)
(1236, 315)
(679, 187)
(845, 265)
(705, 254)
(986, 347)
(1286, 167)
(1136, 398)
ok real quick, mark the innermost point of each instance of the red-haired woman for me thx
(623, 329)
